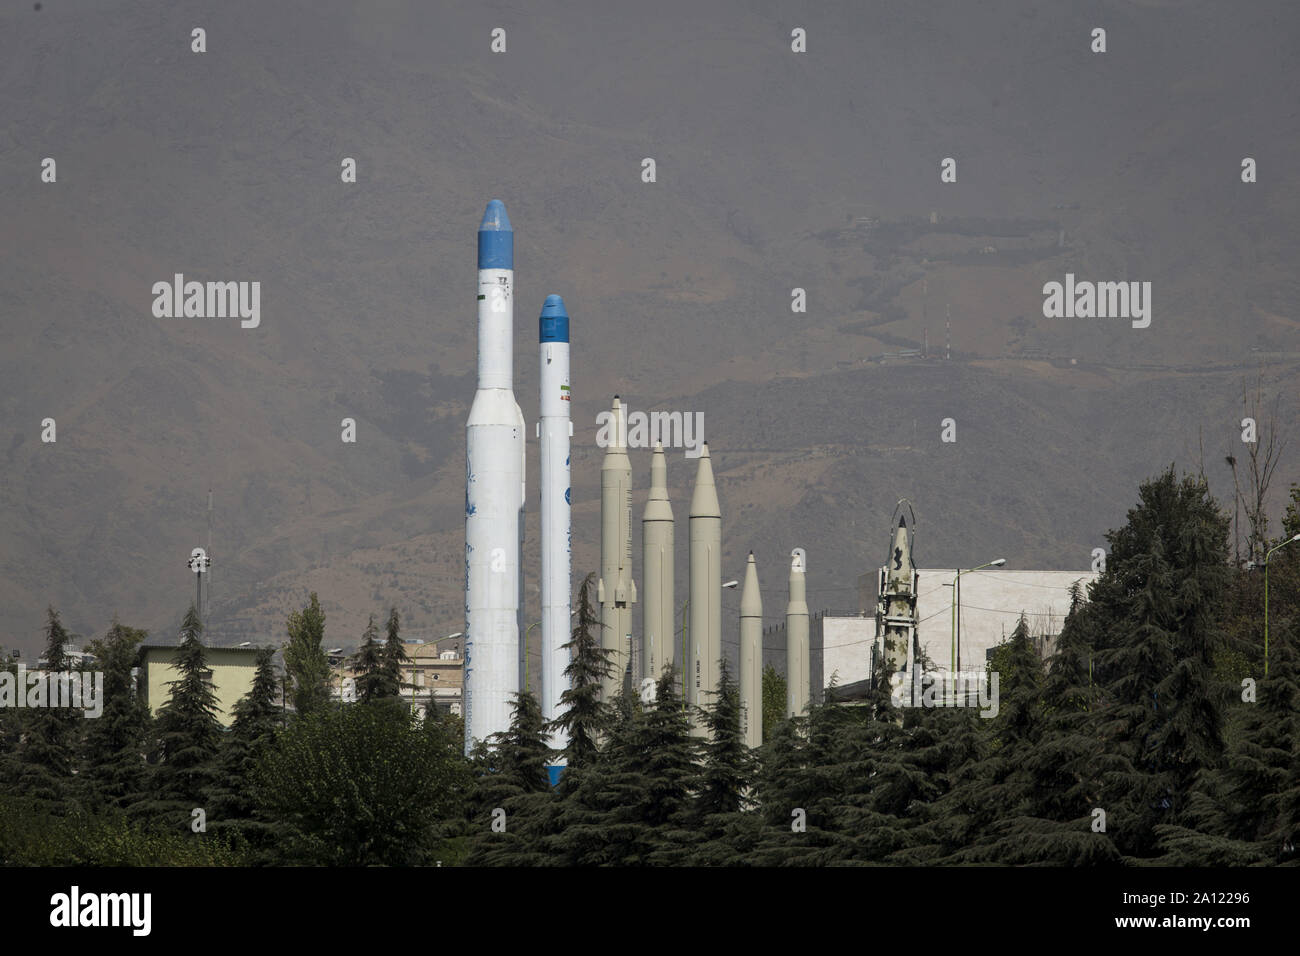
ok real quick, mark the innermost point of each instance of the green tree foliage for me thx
(372, 681)
(728, 767)
(394, 657)
(511, 777)
(305, 660)
(112, 753)
(1160, 712)
(231, 809)
(360, 785)
(31, 835)
(47, 749)
(585, 716)
(775, 693)
(187, 736)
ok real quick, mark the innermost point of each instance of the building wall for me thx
(846, 648)
(991, 603)
(233, 670)
(429, 676)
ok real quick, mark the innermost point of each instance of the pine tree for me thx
(47, 751)
(188, 736)
(305, 660)
(728, 769)
(112, 756)
(585, 716)
(368, 666)
(394, 658)
(231, 809)
(1161, 709)
(511, 777)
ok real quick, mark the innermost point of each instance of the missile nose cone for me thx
(553, 324)
(495, 218)
(704, 502)
(496, 238)
(751, 601)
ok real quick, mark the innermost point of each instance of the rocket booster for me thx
(615, 590)
(554, 430)
(796, 637)
(897, 603)
(494, 494)
(704, 528)
(900, 561)
(751, 657)
(658, 611)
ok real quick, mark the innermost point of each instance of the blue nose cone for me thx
(553, 326)
(496, 238)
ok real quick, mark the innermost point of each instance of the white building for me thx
(992, 601)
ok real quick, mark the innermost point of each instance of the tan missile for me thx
(614, 590)
(659, 615)
(796, 638)
(706, 586)
(751, 657)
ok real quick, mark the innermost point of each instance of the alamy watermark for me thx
(642, 430)
(975, 688)
(208, 300)
(1099, 300)
(73, 689)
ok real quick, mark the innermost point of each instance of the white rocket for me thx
(704, 528)
(751, 657)
(494, 494)
(796, 636)
(554, 429)
(615, 589)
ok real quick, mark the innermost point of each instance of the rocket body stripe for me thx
(554, 430)
(494, 496)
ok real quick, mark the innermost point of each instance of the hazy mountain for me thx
(775, 170)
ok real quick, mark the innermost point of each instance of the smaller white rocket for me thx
(554, 430)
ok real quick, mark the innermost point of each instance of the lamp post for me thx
(1266, 557)
(956, 603)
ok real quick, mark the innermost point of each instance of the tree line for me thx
(1151, 735)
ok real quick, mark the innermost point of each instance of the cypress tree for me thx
(305, 661)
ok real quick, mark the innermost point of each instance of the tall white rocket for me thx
(554, 429)
(798, 689)
(614, 589)
(494, 494)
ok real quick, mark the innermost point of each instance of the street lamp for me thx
(956, 602)
(1266, 557)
